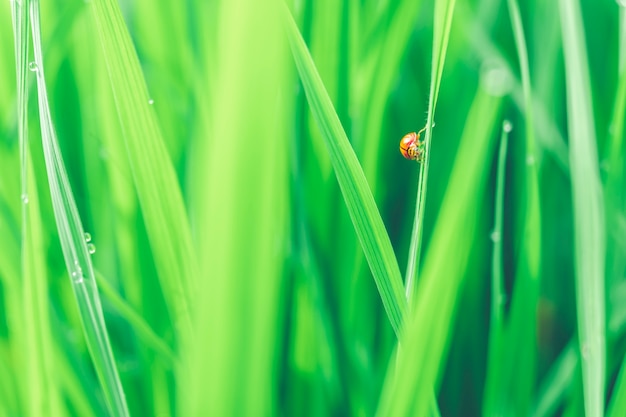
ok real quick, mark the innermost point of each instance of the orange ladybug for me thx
(411, 147)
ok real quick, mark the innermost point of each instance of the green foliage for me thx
(236, 165)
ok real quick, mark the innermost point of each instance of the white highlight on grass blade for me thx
(72, 237)
(150, 102)
(24, 198)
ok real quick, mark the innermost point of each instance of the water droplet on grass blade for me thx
(495, 236)
(151, 102)
(33, 66)
(77, 274)
(24, 198)
(87, 237)
(91, 248)
(507, 126)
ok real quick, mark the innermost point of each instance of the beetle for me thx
(411, 147)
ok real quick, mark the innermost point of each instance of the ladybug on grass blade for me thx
(411, 147)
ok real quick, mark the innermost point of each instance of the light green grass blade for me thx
(72, 236)
(444, 10)
(408, 385)
(43, 394)
(240, 179)
(588, 207)
(155, 180)
(357, 195)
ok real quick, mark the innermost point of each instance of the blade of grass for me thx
(444, 10)
(510, 383)
(155, 180)
(549, 136)
(408, 385)
(588, 210)
(615, 179)
(43, 395)
(497, 325)
(241, 214)
(72, 236)
(359, 201)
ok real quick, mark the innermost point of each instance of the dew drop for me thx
(507, 126)
(151, 102)
(33, 66)
(24, 198)
(495, 236)
(77, 274)
(530, 160)
(91, 248)
(87, 237)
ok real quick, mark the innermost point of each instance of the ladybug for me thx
(411, 147)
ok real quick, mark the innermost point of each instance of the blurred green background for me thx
(284, 316)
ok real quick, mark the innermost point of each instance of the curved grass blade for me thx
(43, 394)
(356, 192)
(588, 204)
(154, 176)
(72, 236)
(444, 10)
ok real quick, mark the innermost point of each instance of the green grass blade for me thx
(511, 382)
(497, 268)
(498, 294)
(155, 179)
(615, 184)
(589, 227)
(357, 195)
(410, 381)
(240, 177)
(444, 10)
(43, 394)
(72, 236)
